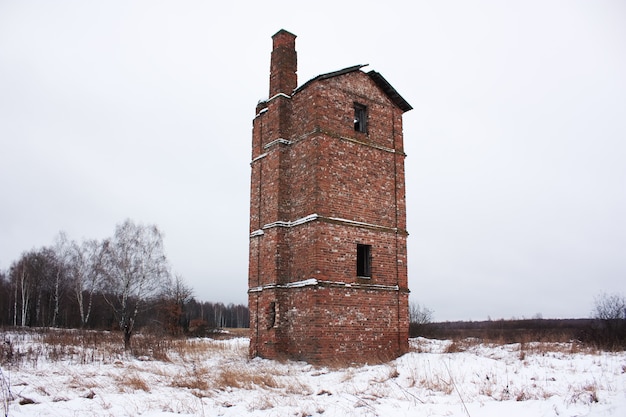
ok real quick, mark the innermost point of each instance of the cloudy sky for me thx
(516, 172)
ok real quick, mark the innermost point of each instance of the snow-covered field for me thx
(204, 377)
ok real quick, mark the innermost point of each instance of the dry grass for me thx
(495, 383)
(525, 348)
(244, 378)
(296, 387)
(216, 369)
(565, 348)
(193, 349)
(5, 392)
(390, 371)
(83, 381)
(132, 382)
(455, 347)
(437, 383)
(586, 394)
(262, 404)
(152, 346)
(462, 345)
(236, 332)
(30, 346)
(349, 374)
(26, 346)
(194, 379)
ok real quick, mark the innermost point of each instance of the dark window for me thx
(271, 315)
(360, 118)
(364, 261)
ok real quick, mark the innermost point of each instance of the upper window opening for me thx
(360, 118)
(364, 261)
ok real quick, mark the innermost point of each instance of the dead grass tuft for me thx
(586, 394)
(462, 345)
(195, 349)
(153, 346)
(298, 388)
(243, 378)
(437, 384)
(132, 382)
(522, 395)
(522, 351)
(83, 381)
(194, 379)
(455, 347)
(263, 404)
(391, 372)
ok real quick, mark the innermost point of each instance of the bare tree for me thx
(609, 307)
(37, 266)
(419, 314)
(59, 273)
(21, 277)
(176, 298)
(136, 272)
(610, 332)
(24, 275)
(243, 316)
(6, 297)
(36, 278)
(218, 314)
(84, 262)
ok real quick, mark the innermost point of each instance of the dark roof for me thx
(284, 31)
(378, 79)
(390, 91)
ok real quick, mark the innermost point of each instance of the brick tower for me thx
(328, 265)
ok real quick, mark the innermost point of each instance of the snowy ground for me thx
(204, 377)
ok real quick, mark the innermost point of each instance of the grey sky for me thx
(516, 145)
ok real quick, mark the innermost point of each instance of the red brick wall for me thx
(337, 177)
(327, 251)
(283, 78)
(325, 324)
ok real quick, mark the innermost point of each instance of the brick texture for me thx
(319, 188)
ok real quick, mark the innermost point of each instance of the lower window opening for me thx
(363, 261)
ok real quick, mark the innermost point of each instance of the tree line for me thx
(604, 329)
(123, 282)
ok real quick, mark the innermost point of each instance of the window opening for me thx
(360, 118)
(271, 315)
(363, 261)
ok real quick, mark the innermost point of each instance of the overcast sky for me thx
(516, 167)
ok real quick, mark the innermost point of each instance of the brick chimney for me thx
(284, 64)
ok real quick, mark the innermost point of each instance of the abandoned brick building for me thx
(328, 260)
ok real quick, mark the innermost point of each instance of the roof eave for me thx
(378, 79)
(330, 75)
(391, 92)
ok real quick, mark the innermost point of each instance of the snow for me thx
(208, 377)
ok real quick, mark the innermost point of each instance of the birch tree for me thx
(22, 279)
(37, 278)
(85, 263)
(59, 255)
(23, 282)
(136, 272)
